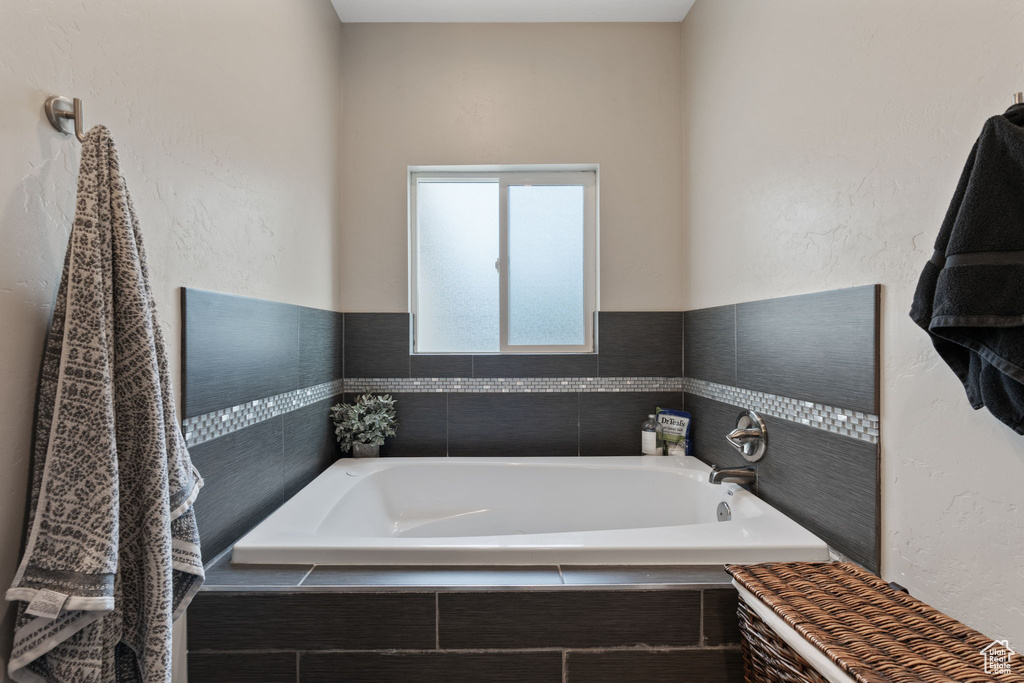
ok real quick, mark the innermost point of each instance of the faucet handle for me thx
(742, 436)
(750, 437)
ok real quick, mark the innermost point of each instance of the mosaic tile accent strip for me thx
(203, 428)
(841, 421)
(506, 385)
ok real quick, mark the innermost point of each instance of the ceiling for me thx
(356, 11)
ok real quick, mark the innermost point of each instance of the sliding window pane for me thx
(545, 249)
(456, 281)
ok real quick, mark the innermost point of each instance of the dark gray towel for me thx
(970, 297)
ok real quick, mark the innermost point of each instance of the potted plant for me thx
(363, 425)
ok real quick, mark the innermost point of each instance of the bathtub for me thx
(515, 511)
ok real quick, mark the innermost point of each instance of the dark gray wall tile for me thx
(309, 444)
(820, 347)
(311, 621)
(440, 366)
(325, 575)
(610, 422)
(827, 483)
(377, 345)
(709, 344)
(422, 426)
(433, 667)
(536, 365)
(721, 624)
(711, 421)
(236, 350)
(242, 667)
(683, 575)
(244, 477)
(698, 666)
(637, 344)
(321, 346)
(512, 424)
(568, 619)
(223, 573)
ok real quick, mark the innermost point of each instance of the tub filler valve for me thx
(744, 476)
(750, 437)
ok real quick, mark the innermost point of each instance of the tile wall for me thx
(540, 624)
(810, 366)
(259, 378)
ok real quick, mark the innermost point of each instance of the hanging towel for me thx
(112, 556)
(970, 297)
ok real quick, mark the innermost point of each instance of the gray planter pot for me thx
(365, 450)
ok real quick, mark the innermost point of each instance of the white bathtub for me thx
(505, 511)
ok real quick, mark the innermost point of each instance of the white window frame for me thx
(585, 175)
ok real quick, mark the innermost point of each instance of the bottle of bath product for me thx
(650, 436)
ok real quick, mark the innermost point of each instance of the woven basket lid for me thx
(872, 632)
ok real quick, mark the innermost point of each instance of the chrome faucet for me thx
(743, 475)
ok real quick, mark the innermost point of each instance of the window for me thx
(503, 261)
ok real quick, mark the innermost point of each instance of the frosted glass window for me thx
(545, 265)
(503, 259)
(457, 283)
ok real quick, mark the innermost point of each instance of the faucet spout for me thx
(742, 475)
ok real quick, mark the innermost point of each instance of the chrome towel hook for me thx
(58, 109)
(1018, 98)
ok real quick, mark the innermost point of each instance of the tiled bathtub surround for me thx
(805, 363)
(505, 385)
(203, 428)
(260, 376)
(843, 421)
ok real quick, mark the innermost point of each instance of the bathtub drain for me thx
(724, 513)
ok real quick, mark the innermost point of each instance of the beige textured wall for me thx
(824, 142)
(225, 114)
(515, 94)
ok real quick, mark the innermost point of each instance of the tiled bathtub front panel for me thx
(551, 635)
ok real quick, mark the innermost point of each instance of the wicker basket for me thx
(873, 633)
